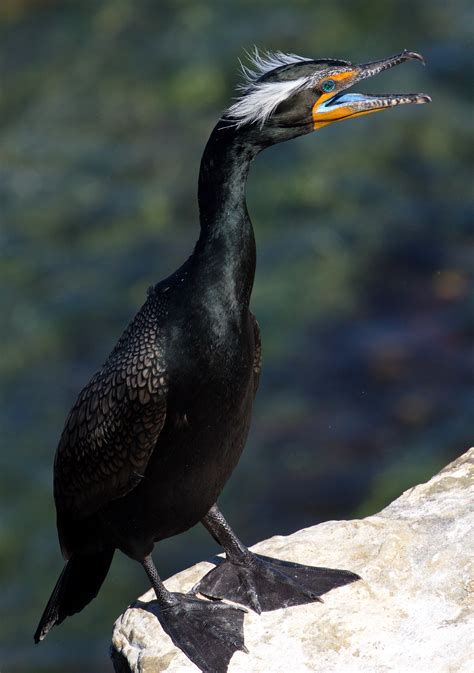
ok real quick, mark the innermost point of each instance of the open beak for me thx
(336, 107)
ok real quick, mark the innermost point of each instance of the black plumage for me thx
(156, 433)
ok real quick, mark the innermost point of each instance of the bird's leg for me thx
(208, 632)
(260, 582)
(164, 598)
(220, 530)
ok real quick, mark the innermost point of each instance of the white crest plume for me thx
(259, 99)
(263, 62)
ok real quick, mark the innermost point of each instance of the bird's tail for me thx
(78, 584)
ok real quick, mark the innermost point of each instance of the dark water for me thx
(364, 282)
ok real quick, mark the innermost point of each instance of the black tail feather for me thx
(78, 584)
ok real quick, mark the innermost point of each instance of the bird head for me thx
(284, 95)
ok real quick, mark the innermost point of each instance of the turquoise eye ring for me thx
(329, 85)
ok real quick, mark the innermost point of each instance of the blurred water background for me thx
(365, 249)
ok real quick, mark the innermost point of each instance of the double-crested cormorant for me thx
(156, 433)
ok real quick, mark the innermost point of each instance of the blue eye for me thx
(329, 85)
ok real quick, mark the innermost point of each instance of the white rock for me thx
(412, 613)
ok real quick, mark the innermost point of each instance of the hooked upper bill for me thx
(275, 78)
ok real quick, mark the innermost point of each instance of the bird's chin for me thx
(346, 105)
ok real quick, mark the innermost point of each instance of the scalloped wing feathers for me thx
(113, 428)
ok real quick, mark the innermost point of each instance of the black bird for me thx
(156, 433)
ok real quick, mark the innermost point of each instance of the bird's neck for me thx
(226, 246)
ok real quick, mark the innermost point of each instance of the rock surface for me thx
(413, 611)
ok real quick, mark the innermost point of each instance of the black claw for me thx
(316, 598)
(240, 608)
(415, 55)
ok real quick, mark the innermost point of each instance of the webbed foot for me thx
(208, 632)
(263, 583)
